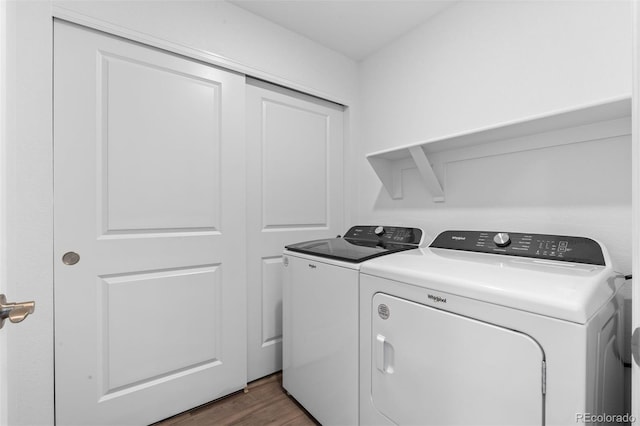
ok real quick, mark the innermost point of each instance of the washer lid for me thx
(568, 291)
(362, 243)
(346, 250)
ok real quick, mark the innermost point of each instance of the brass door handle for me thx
(16, 312)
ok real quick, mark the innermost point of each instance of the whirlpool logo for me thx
(437, 299)
(458, 238)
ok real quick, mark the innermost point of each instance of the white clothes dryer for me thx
(486, 328)
(320, 317)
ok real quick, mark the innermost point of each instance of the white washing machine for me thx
(486, 328)
(320, 317)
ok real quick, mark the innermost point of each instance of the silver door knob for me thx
(70, 258)
(15, 312)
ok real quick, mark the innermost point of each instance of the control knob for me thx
(502, 239)
(379, 231)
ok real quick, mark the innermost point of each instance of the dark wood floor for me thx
(265, 403)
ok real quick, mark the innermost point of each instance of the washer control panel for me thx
(538, 246)
(388, 234)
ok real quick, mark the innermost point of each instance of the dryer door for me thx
(433, 367)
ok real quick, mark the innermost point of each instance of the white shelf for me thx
(388, 164)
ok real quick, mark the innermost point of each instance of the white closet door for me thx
(149, 192)
(294, 193)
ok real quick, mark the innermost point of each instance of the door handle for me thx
(16, 312)
(384, 355)
(380, 341)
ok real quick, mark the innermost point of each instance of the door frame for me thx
(4, 22)
(26, 189)
(26, 256)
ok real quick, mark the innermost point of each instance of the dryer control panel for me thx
(539, 246)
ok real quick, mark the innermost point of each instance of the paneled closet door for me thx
(150, 278)
(294, 193)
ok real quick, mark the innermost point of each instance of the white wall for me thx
(208, 29)
(480, 63)
(233, 37)
(3, 116)
(27, 199)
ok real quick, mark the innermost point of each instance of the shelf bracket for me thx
(426, 171)
(391, 177)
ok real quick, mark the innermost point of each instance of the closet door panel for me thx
(294, 193)
(150, 314)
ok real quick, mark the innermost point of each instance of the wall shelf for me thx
(605, 119)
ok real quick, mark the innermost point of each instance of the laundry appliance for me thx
(320, 317)
(492, 328)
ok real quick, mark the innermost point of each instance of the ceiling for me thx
(356, 28)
